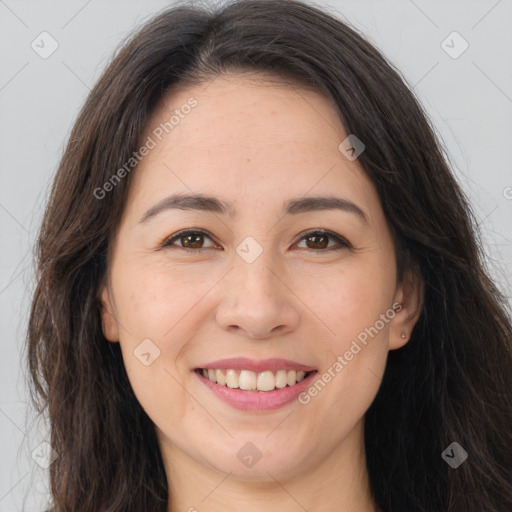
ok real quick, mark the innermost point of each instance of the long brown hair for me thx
(451, 382)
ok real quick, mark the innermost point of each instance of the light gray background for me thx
(469, 100)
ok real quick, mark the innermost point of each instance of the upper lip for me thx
(243, 363)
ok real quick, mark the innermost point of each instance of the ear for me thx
(409, 295)
(108, 321)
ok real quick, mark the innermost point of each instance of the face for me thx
(275, 282)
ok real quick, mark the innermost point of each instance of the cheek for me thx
(349, 298)
(353, 356)
(155, 312)
(154, 299)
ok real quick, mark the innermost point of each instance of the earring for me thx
(403, 335)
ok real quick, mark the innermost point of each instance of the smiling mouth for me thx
(247, 380)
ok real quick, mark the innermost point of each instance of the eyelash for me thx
(343, 243)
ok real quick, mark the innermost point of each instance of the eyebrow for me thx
(211, 204)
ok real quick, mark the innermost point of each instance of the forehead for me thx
(244, 135)
(240, 110)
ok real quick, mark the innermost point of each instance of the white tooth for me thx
(281, 379)
(221, 378)
(266, 381)
(250, 381)
(247, 380)
(291, 377)
(231, 379)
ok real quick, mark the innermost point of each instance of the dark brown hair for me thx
(451, 382)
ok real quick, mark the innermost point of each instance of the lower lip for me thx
(258, 400)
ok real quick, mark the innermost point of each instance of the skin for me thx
(255, 144)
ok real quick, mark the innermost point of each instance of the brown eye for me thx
(188, 239)
(317, 241)
(192, 241)
(320, 239)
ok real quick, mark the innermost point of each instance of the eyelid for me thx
(341, 241)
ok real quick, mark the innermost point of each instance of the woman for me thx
(261, 287)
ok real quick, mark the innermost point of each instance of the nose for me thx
(256, 300)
